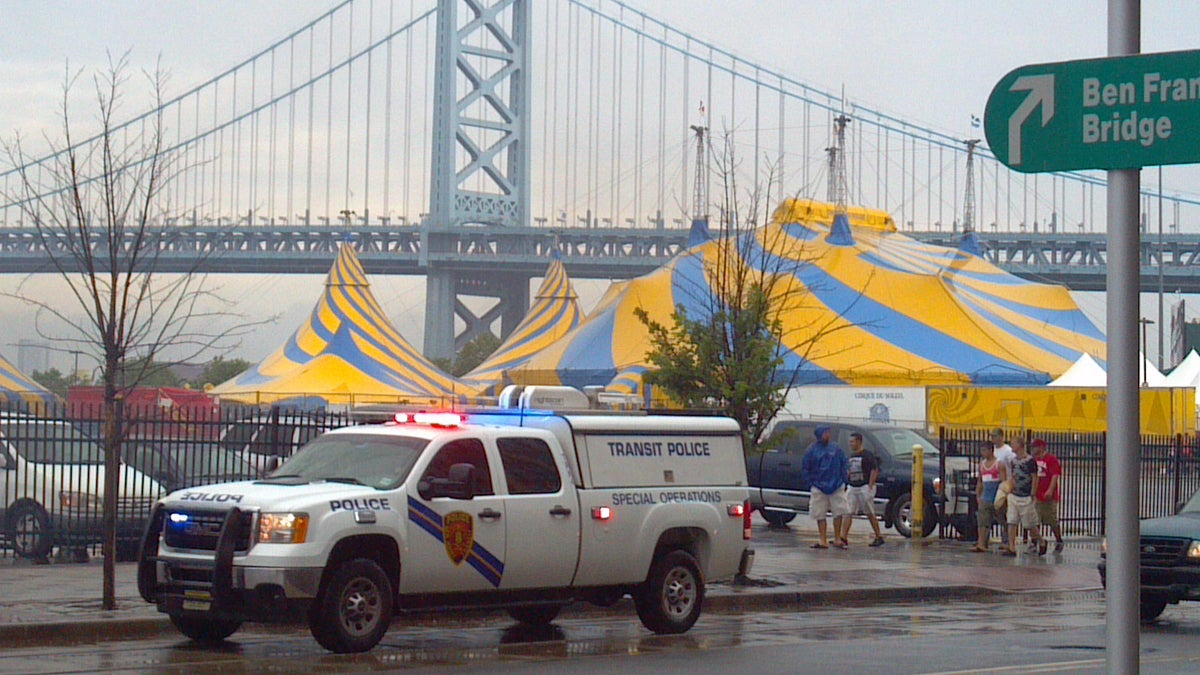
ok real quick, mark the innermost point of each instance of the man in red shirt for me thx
(1049, 490)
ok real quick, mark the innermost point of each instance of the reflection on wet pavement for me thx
(495, 639)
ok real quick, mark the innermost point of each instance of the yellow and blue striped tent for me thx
(554, 312)
(346, 353)
(874, 307)
(22, 391)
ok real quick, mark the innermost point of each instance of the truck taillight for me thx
(744, 511)
(601, 512)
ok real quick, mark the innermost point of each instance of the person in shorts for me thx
(991, 473)
(1021, 511)
(862, 472)
(824, 469)
(1049, 491)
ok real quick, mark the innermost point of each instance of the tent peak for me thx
(839, 232)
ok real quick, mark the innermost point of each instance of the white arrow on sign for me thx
(1041, 91)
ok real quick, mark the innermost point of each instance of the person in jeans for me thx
(992, 472)
(1049, 491)
(862, 473)
(1004, 455)
(1021, 511)
(824, 469)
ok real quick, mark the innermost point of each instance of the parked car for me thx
(52, 479)
(265, 440)
(1169, 560)
(181, 465)
(779, 494)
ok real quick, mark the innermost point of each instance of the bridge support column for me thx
(443, 288)
(440, 296)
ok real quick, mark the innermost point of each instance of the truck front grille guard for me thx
(231, 533)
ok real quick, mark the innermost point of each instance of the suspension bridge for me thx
(468, 141)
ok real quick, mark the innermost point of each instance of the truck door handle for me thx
(560, 510)
(489, 514)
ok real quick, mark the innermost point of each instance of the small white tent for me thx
(1085, 372)
(1187, 373)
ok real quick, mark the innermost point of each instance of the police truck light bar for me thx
(446, 419)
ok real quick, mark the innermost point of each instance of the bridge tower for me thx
(480, 165)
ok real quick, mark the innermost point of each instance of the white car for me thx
(52, 489)
(266, 440)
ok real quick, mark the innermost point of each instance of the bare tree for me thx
(754, 323)
(98, 209)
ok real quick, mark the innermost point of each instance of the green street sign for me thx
(1123, 112)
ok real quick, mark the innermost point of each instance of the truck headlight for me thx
(937, 485)
(1193, 552)
(80, 501)
(282, 528)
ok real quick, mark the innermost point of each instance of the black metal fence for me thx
(1170, 472)
(52, 466)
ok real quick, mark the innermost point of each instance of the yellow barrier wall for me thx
(1084, 409)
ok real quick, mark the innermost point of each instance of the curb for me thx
(87, 630)
(102, 628)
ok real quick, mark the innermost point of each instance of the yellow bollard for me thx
(918, 493)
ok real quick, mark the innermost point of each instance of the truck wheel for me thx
(777, 518)
(29, 530)
(669, 601)
(205, 629)
(902, 516)
(535, 615)
(353, 609)
(1151, 608)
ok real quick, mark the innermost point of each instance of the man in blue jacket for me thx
(824, 469)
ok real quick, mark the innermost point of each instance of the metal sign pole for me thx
(1123, 452)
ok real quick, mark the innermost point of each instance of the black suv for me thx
(1169, 559)
(779, 494)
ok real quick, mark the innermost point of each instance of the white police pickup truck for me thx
(520, 508)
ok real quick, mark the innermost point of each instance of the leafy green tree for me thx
(474, 352)
(151, 374)
(53, 380)
(220, 370)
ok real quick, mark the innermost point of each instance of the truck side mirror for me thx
(460, 484)
(271, 464)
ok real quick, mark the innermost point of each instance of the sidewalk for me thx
(63, 599)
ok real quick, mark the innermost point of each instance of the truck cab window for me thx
(528, 466)
(462, 451)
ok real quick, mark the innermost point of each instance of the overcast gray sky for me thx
(932, 62)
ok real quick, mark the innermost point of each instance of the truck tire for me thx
(1151, 608)
(902, 516)
(28, 530)
(203, 629)
(669, 601)
(353, 608)
(535, 615)
(777, 518)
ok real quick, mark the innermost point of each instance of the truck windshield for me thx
(900, 442)
(375, 460)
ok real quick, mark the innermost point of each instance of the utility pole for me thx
(700, 190)
(969, 197)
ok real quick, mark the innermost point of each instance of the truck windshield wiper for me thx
(343, 479)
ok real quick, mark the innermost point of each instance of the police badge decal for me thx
(458, 530)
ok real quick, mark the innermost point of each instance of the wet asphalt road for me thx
(1014, 633)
